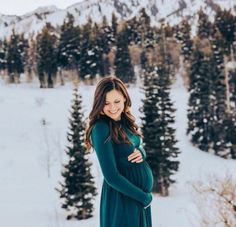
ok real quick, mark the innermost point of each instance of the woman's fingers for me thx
(136, 156)
(138, 159)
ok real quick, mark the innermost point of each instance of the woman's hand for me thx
(136, 156)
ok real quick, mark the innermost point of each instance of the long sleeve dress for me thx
(127, 186)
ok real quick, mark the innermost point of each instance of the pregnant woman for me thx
(112, 132)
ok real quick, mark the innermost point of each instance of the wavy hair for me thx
(117, 133)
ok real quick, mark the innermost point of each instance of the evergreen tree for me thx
(225, 21)
(114, 25)
(47, 56)
(15, 64)
(207, 102)
(78, 189)
(159, 135)
(123, 66)
(232, 85)
(199, 115)
(87, 63)
(217, 70)
(184, 35)
(144, 28)
(69, 44)
(3, 53)
(204, 26)
(106, 36)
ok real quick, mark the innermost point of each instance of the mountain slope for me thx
(157, 9)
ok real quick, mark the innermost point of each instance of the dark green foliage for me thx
(225, 21)
(15, 57)
(205, 28)
(46, 56)
(3, 53)
(69, 44)
(123, 66)
(207, 102)
(199, 115)
(157, 121)
(88, 59)
(184, 35)
(77, 189)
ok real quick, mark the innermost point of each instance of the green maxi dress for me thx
(126, 190)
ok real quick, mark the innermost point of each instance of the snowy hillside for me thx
(33, 22)
(27, 193)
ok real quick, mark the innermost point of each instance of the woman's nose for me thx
(112, 107)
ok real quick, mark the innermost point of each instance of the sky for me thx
(20, 7)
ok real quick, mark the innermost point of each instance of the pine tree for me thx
(3, 53)
(159, 135)
(15, 64)
(47, 56)
(199, 115)
(217, 70)
(225, 21)
(123, 66)
(69, 44)
(87, 63)
(78, 189)
(204, 26)
(207, 102)
(144, 28)
(184, 34)
(114, 25)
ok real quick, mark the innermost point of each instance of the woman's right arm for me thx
(110, 172)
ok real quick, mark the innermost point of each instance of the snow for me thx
(28, 197)
(34, 21)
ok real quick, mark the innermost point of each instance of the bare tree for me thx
(216, 201)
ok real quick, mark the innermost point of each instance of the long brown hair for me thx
(117, 134)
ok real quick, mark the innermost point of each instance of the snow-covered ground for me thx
(32, 153)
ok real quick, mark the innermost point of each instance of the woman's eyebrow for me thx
(114, 100)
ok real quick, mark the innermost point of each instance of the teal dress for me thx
(126, 190)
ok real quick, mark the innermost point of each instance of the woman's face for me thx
(114, 104)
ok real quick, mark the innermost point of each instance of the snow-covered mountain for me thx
(172, 11)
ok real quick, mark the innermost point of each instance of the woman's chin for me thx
(115, 118)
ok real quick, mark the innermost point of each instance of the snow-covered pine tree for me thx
(106, 37)
(114, 25)
(3, 53)
(204, 27)
(199, 115)
(225, 21)
(232, 88)
(158, 117)
(14, 58)
(144, 28)
(184, 35)
(100, 48)
(87, 53)
(47, 56)
(220, 145)
(123, 65)
(78, 188)
(69, 44)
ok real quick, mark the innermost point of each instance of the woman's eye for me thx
(117, 101)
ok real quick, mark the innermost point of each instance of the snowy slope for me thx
(172, 11)
(27, 194)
